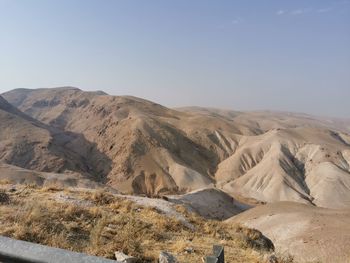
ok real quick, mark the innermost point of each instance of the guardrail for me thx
(16, 251)
(218, 255)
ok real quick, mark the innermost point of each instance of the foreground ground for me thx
(99, 223)
(309, 233)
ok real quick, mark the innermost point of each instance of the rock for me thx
(13, 189)
(256, 240)
(4, 197)
(189, 250)
(270, 258)
(166, 257)
(121, 257)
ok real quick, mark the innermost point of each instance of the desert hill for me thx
(28, 143)
(219, 164)
(300, 164)
(310, 234)
(268, 156)
(291, 157)
(150, 152)
(263, 121)
(15, 175)
(21, 138)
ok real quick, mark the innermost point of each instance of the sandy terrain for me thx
(210, 203)
(309, 233)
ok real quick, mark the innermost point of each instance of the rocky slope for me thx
(150, 153)
(28, 143)
(147, 148)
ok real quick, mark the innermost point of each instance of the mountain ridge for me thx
(154, 149)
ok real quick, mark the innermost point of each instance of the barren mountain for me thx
(152, 149)
(150, 152)
(16, 175)
(30, 144)
(299, 164)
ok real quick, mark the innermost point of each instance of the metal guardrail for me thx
(16, 251)
(218, 255)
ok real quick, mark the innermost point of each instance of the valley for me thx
(262, 170)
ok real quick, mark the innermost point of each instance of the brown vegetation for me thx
(106, 223)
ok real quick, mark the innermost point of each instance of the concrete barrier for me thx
(16, 251)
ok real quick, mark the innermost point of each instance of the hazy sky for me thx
(279, 55)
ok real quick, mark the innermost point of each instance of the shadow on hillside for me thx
(80, 155)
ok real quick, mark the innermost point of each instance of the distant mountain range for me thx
(137, 146)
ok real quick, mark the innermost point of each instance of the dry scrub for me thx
(4, 197)
(104, 224)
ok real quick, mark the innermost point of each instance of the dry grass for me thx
(112, 224)
(4, 181)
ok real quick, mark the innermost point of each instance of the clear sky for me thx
(244, 55)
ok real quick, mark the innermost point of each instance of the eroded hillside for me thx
(138, 146)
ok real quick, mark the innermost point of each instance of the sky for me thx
(234, 54)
